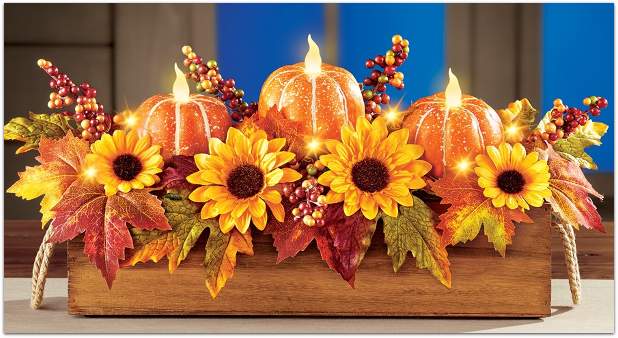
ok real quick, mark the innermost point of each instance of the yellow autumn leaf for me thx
(573, 148)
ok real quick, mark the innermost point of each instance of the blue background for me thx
(577, 52)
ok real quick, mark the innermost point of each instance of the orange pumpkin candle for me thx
(181, 123)
(453, 128)
(319, 96)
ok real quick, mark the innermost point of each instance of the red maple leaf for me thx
(470, 209)
(342, 242)
(84, 207)
(175, 173)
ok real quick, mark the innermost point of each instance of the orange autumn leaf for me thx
(61, 161)
(570, 191)
(470, 209)
(276, 125)
(85, 207)
(221, 250)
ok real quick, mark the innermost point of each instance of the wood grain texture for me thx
(484, 284)
(595, 251)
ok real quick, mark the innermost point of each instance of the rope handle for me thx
(39, 270)
(570, 255)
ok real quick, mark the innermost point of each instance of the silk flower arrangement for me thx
(316, 159)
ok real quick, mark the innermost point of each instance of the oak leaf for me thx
(84, 207)
(60, 167)
(414, 230)
(470, 209)
(30, 130)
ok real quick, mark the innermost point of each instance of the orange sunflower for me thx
(512, 178)
(125, 161)
(239, 179)
(371, 169)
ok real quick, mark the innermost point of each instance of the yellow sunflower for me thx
(372, 169)
(124, 162)
(511, 177)
(239, 178)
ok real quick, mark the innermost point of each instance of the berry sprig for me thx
(209, 80)
(566, 121)
(375, 94)
(88, 113)
(307, 196)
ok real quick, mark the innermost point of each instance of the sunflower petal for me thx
(142, 144)
(277, 210)
(499, 201)
(209, 210)
(350, 210)
(339, 185)
(271, 195)
(334, 197)
(196, 178)
(391, 208)
(366, 201)
(290, 175)
(260, 222)
(406, 200)
(273, 177)
(226, 223)
(511, 201)
(326, 178)
(257, 207)
(199, 195)
(371, 213)
(124, 186)
(225, 206)
(243, 222)
(120, 141)
(284, 157)
(275, 145)
(351, 197)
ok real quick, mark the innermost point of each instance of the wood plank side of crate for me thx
(483, 283)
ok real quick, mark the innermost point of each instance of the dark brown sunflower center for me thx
(245, 181)
(511, 181)
(127, 166)
(370, 175)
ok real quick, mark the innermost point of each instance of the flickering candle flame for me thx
(181, 88)
(313, 60)
(452, 92)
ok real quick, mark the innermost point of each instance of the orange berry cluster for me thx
(209, 80)
(308, 195)
(566, 121)
(393, 58)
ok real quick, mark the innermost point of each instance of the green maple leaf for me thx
(573, 148)
(221, 250)
(187, 226)
(30, 130)
(414, 230)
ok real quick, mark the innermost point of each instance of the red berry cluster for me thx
(307, 196)
(566, 121)
(377, 81)
(209, 80)
(88, 113)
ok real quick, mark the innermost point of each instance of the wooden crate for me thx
(484, 284)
